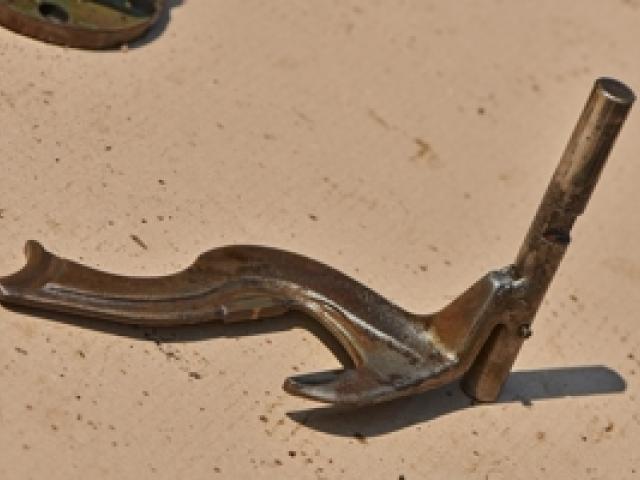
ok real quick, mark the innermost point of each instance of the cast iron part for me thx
(394, 352)
(91, 24)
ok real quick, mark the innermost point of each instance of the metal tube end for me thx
(615, 90)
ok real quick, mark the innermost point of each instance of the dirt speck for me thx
(263, 418)
(313, 217)
(21, 351)
(425, 152)
(195, 375)
(376, 117)
(140, 243)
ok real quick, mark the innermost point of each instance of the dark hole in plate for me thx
(52, 12)
(556, 235)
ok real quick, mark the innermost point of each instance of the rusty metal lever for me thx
(394, 352)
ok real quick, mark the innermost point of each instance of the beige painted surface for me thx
(415, 133)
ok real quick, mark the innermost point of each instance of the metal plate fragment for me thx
(91, 24)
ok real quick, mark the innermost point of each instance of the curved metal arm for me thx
(394, 352)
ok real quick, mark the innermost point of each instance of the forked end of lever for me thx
(32, 274)
(352, 386)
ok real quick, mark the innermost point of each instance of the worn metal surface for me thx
(394, 352)
(93, 24)
(550, 233)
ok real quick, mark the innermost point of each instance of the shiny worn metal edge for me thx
(23, 17)
(394, 352)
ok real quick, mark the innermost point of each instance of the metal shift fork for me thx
(394, 352)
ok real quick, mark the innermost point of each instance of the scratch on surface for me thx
(139, 241)
(376, 117)
(304, 117)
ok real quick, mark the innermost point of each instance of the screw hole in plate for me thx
(54, 13)
(556, 235)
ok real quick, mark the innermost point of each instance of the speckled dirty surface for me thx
(407, 145)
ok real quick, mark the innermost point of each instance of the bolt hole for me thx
(556, 235)
(52, 12)
(143, 7)
(525, 331)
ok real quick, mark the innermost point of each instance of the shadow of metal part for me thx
(526, 387)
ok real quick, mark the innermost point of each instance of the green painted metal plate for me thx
(81, 23)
